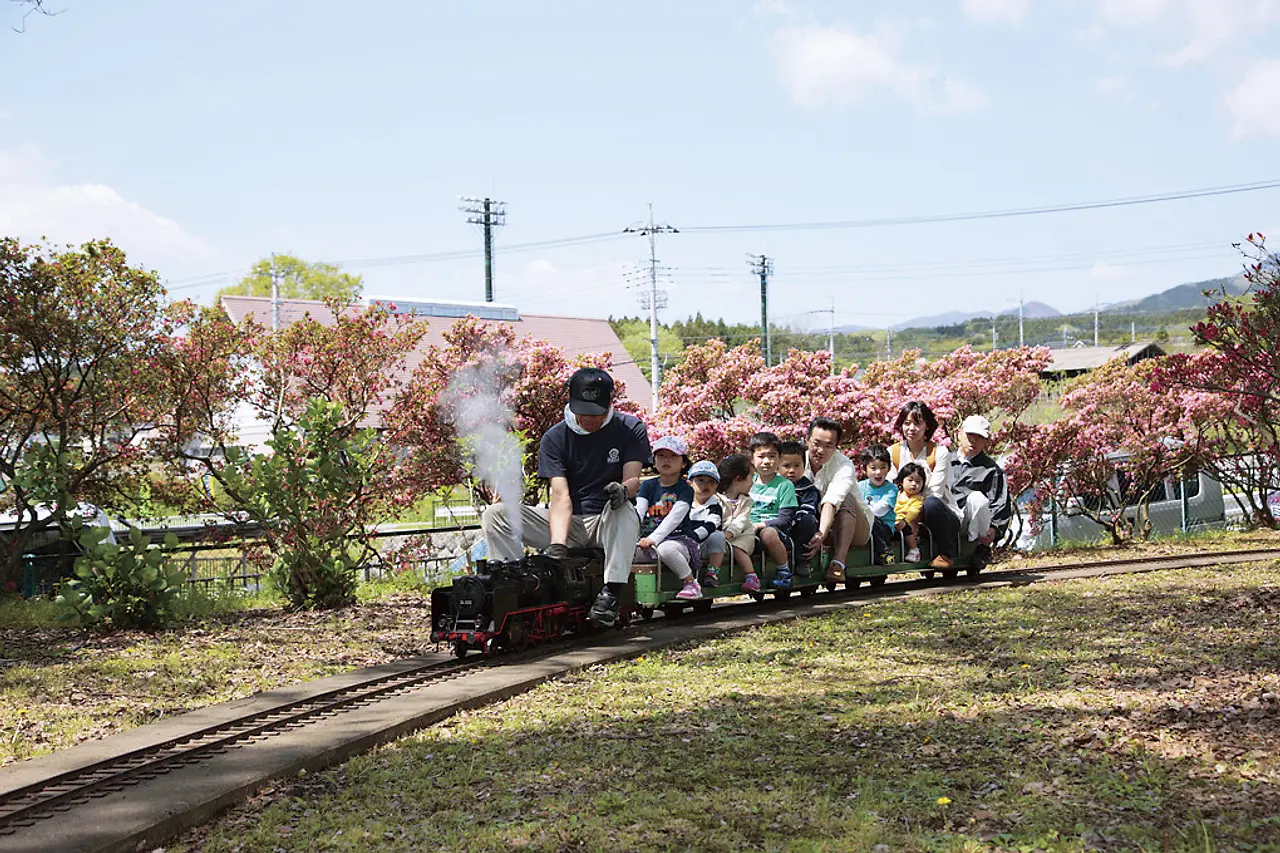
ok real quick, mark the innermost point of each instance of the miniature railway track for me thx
(62, 792)
(24, 806)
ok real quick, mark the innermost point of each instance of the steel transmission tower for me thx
(763, 267)
(655, 299)
(489, 215)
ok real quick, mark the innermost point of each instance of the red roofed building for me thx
(573, 335)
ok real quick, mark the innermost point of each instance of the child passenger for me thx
(735, 490)
(773, 506)
(791, 466)
(911, 480)
(881, 496)
(706, 517)
(663, 503)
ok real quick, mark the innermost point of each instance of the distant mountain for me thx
(1030, 310)
(1177, 298)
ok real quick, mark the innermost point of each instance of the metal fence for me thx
(232, 566)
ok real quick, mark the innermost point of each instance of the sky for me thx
(204, 136)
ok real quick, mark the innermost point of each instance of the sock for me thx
(783, 568)
(617, 587)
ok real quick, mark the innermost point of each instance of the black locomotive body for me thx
(511, 604)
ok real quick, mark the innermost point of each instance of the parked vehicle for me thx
(1191, 502)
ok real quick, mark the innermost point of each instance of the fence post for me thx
(1053, 520)
(1182, 495)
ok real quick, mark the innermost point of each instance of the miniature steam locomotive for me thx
(508, 605)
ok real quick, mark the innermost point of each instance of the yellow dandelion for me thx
(944, 801)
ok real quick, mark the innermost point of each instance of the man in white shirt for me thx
(844, 518)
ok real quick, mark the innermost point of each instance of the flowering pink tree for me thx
(327, 479)
(1116, 441)
(84, 338)
(720, 395)
(533, 376)
(1241, 365)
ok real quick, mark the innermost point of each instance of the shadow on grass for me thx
(1060, 718)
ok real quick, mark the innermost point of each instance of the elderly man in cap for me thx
(981, 494)
(593, 460)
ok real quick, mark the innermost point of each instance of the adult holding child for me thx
(917, 425)
(844, 519)
(592, 460)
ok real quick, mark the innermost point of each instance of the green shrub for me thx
(121, 586)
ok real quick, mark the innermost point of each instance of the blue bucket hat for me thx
(705, 468)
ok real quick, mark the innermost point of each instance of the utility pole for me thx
(489, 215)
(888, 343)
(1021, 341)
(1095, 320)
(277, 278)
(763, 267)
(993, 331)
(831, 337)
(654, 296)
(1133, 332)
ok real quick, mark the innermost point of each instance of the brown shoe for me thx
(835, 572)
(942, 561)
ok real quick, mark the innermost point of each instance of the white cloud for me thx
(1006, 11)
(32, 207)
(1114, 88)
(1204, 28)
(1255, 103)
(831, 65)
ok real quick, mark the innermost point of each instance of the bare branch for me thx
(33, 6)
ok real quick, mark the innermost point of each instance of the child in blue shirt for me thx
(880, 494)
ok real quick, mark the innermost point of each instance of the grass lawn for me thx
(60, 686)
(1137, 712)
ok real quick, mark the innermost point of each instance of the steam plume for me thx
(473, 403)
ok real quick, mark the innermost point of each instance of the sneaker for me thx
(835, 572)
(710, 577)
(691, 589)
(942, 561)
(885, 559)
(782, 578)
(605, 610)
(751, 583)
(913, 556)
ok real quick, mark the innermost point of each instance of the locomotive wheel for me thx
(646, 612)
(950, 574)
(758, 596)
(972, 571)
(927, 575)
(782, 594)
(830, 586)
(460, 650)
(878, 580)
(673, 611)
(702, 606)
(517, 637)
(806, 591)
(852, 583)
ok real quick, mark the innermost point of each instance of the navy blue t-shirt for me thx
(590, 462)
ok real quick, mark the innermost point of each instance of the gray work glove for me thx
(617, 494)
(556, 551)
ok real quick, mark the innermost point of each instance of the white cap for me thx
(976, 425)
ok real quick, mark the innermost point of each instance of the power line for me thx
(996, 214)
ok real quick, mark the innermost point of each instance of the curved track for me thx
(29, 805)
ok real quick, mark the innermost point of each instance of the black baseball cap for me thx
(590, 391)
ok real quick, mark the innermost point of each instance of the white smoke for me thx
(474, 404)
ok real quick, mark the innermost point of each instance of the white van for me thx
(1203, 506)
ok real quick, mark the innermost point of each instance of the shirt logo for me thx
(614, 456)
